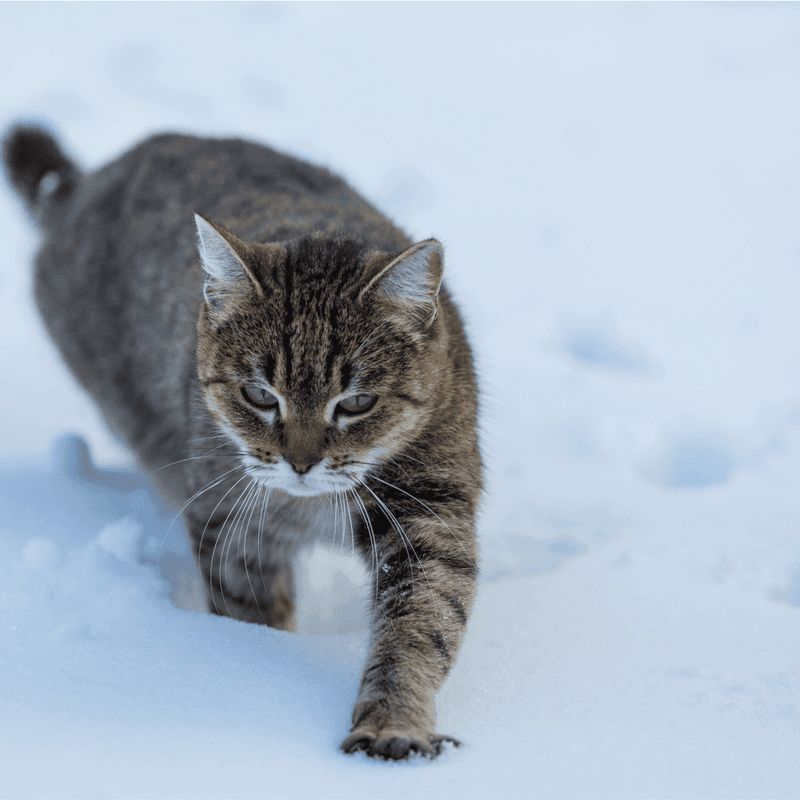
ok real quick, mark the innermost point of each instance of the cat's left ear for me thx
(412, 279)
(224, 258)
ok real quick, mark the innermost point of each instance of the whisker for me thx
(352, 530)
(400, 468)
(203, 534)
(411, 458)
(243, 502)
(341, 518)
(347, 521)
(404, 536)
(227, 538)
(209, 437)
(266, 492)
(253, 504)
(378, 464)
(424, 505)
(193, 458)
(336, 518)
(211, 485)
(362, 510)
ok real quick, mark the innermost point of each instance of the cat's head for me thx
(319, 359)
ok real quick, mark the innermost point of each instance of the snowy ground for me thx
(618, 190)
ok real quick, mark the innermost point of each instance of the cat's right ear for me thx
(224, 258)
(411, 280)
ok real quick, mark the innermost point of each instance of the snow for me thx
(617, 188)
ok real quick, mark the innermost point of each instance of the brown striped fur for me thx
(308, 299)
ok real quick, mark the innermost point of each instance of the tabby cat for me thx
(306, 376)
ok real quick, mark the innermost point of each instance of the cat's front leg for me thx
(425, 587)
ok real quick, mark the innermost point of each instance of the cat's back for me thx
(131, 222)
(169, 173)
(265, 194)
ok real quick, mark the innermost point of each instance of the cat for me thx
(288, 366)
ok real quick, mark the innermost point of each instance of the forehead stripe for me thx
(269, 370)
(346, 374)
(288, 318)
(334, 348)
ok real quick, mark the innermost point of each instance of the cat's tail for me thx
(39, 170)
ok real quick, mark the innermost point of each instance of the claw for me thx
(437, 743)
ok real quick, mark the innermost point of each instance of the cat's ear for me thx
(412, 279)
(224, 258)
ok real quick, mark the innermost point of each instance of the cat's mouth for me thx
(315, 482)
(304, 486)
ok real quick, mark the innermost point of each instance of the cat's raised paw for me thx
(395, 748)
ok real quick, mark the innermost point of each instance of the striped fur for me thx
(306, 376)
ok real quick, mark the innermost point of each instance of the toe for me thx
(398, 748)
(356, 742)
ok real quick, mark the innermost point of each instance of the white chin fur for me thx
(298, 490)
(303, 486)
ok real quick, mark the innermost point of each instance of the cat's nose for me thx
(302, 465)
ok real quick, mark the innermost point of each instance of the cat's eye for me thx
(357, 403)
(258, 396)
